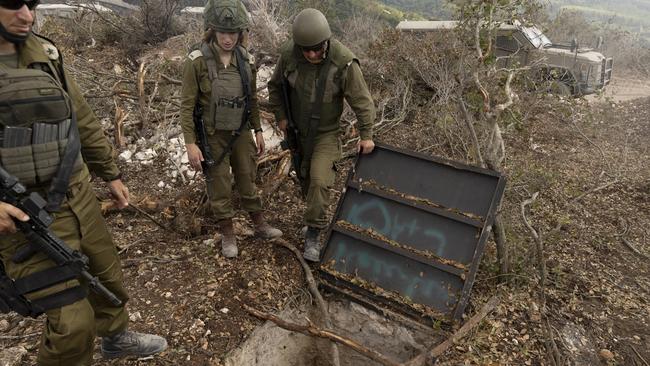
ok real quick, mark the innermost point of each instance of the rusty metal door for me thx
(410, 230)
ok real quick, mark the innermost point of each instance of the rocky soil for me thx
(588, 161)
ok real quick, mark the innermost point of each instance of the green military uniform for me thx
(221, 120)
(70, 330)
(344, 82)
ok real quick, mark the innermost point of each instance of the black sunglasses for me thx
(314, 48)
(17, 4)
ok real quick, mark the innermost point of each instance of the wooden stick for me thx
(639, 356)
(272, 157)
(171, 80)
(147, 215)
(438, 350)
(312, 330)
(313, 288)
(142, 72)
(20, 336)
(633, 248)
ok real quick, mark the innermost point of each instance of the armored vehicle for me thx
(563, 69)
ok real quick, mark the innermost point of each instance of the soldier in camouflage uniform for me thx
(310, 56)
(69, 334)
(213, 78)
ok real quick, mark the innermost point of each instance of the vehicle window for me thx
(536, 37)
(508, 43)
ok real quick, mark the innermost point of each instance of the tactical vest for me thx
(227, 96)
(303, 93)
(39, 145)
(37, 120)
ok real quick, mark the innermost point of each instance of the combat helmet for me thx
(310, 28)
(228, 16)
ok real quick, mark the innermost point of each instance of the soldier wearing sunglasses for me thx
(42, 113)
(318, 74)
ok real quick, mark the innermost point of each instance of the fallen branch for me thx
(311, 330)
(639, 356)
(147, 215)
(109, 205)
(120, 117)
(552, 350)
(441, 348)
(313, 288)
(20, 336)
(633, 248)
(281, 174)
(272, 157)
(599, 188)
(131, 261)
(171, 80)
(142, 72)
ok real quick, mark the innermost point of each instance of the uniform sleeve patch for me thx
(195, 54)
(51, 51)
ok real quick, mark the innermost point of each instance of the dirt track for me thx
(624, 89)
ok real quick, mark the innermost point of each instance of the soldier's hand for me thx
(365, 146)
(195, 156)
(7, 213)
(261, 146)
(119, 192)
(282, 125)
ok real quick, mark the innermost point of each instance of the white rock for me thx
(161, 184)
(135, 317)
(126, 155)
(4, 324)
(147, 154)
(225, 310)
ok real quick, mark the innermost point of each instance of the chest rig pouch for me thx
(39, 141)
(229, 94)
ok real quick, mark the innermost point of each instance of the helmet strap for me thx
(16, 39)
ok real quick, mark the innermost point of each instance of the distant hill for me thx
(631, 15)
(429, 9)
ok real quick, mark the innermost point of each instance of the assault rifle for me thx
(42, 239)
(202, 138)
(292, 138)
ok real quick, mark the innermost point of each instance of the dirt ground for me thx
(587, 160)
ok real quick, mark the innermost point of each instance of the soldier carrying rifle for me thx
(316, 73)
(49, 142)
(218, 110)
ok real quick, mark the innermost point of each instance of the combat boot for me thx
(128, 343)
(312, 245)
(229, 240)
(262, 228)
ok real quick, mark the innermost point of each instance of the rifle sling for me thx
(59, 299)
(59, 185)
(316, 108)
(14, 298)
(44, 279)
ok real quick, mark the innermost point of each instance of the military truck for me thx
(562, 69)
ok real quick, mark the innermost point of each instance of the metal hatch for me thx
(410, 230)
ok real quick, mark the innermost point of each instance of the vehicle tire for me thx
(559, 88)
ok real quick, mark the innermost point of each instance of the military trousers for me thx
(244, 168)
(69, 334)
(322, 173)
